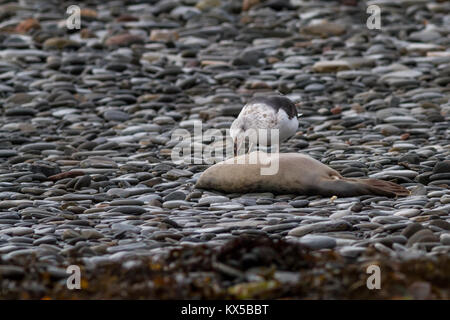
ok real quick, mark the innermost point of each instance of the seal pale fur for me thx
(297, 174)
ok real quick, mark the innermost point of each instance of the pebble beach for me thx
(87, 124)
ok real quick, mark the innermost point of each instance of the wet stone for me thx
(175, 204)
(212, 200)
(133, 210)
(320, 227)
(422, 236)
(116, 115)
(299, 203)
(316, 242)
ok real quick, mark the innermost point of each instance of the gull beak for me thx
(238, 145)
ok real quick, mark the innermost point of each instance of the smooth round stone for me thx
(98, 162)
(407, 213)
(48, 239)
(331, 66)
(116, 115)
(117, 192)
(442, 167)
(11, 271)
(445, 239)
(125, 227)
(126, 202)
(410, 158)
(161, 120)
(175, 174)
(9, 216)
(17, 231)
(267, 195)
(400, 119)
(69, 234)
(314, 87)
(404, 146)
(82, 182)
(440, 176)
(389, 173)
(175, 204)
(125, 247)
(351, 252)
(228, 206)
(390, 240)
(280, 227)
(163, 235)
(19, 111)
(64, 112)
(442, 224)
(124, 40)
(189, 123)
(6, 153)
(299, 203)
(384, 249)
(326, 226)
(387, 129)
(445, 199)
(45, 167)
(340, 214)
(141, 128)
(441, 249)
(213, 200)
(136, 210)
(411, 229)
(91, 234)
(20, 240)
(421, 236)
(316, 242)
(38, 146)
(148, 198)
(436, 194)
(175, 195)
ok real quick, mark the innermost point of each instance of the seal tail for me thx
(385, 187)
(348, 187)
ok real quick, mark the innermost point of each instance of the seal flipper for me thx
(382, 186)
(349, 187)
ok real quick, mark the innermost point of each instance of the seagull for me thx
(259, 116)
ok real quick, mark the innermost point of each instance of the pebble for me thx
(299, 203)
(424, 235)
(320, 227)
(126, 209)
(213, 200)
(316, 242)
(174, 204)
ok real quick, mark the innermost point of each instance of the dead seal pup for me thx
(297, 173)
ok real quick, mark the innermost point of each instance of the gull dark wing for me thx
(277, 103)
